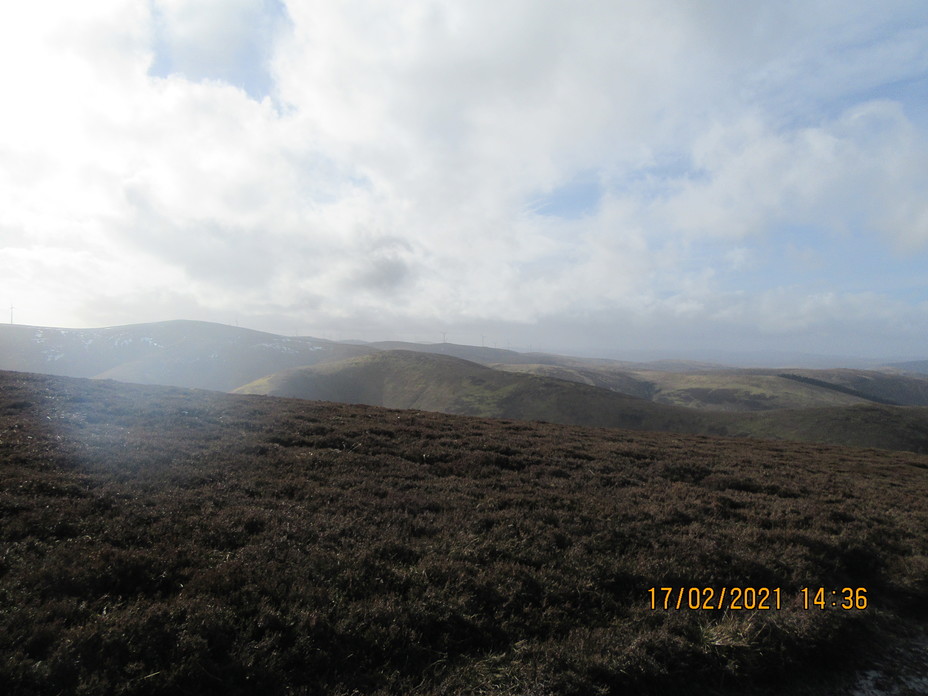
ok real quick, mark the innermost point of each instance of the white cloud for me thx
(227, 40)
(393, 168)
(860, 174)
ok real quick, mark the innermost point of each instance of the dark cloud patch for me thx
(385, 268)
(385, 275)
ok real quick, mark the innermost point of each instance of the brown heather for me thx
(157, 540)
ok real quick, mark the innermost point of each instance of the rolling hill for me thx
(410, 380)
(879, 386)
(478, 354)
(916, 366)
(178, 353)
(161, 540)
(619, 380)
(677, 396)
(216, 356)
(418, 380)
(722, 389)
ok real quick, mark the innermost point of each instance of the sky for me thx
(599, 178)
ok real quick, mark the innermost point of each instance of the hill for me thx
(478, 354)
(159, 540)
(179, 353)
(619, 380)
(917, 366)
(721, 389)
(404, 379)
(535, 386)
(873, 425)
(214, 356)
(879, 386)
(417, 380)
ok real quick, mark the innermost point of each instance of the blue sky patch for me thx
(236, 50)
(576, 199)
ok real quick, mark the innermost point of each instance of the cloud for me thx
(659, 166)
(859, 173)
(227, 40)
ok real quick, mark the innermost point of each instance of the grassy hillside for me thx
(395, 379)
(557, 389)
(159, 540)
(403, 379)
(214, 356)
(744, 389)
(619, 380)
(477, 354)
(873, 425)
(878, 386)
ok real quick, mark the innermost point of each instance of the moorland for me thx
(885, 407)
(165, 540)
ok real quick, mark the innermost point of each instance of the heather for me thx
(158, 540)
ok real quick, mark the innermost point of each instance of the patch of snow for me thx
(289, 344)
(278, 346)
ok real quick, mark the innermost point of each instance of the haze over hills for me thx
(919, 366)
(679, 396)
(764, 358)
(191, 354)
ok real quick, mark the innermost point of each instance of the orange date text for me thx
(728, 598)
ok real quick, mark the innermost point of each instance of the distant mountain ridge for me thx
(679, 396)
(920, 366)
(178, 353)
